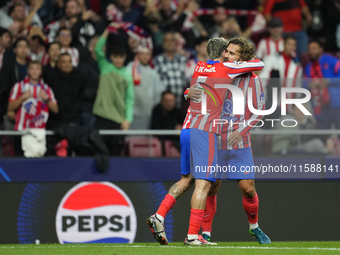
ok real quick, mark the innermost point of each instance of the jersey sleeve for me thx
(15, 92)
(186, 94)
(238, 68)
(258, 103)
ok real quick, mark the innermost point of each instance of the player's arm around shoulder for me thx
(258, 93)
(241, 67)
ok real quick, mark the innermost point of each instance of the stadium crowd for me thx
(124, 64)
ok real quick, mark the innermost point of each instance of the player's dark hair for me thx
(52, 43)
(19, 40)
(201, 40)
(316, 40)
(247, 49)
(289, 36)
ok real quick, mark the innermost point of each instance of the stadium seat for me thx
(143, 147)
(170, 149)
(7, 146)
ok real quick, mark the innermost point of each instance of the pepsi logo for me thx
(96, 212)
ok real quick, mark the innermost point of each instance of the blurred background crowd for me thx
(124, 64)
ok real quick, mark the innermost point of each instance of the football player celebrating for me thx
(156, 222)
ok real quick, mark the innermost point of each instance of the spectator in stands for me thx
(171, 67)
(37, 47)
(76, 21)
(152, 20)
(5, 43)
(113, 106)
(169, 17)
(13, 71)
(217, 28)
(180, 45)
(166, 12)
(290, 144)
(94, 6)
(65, 39)
(290, 12)
(129, 14)
(91, 57)
(274, 43)
(131, 49)
(91, 73)
(281, 70)
(148, 88)
(167, 116)
(324, 74)
(17, 21)
(29, 105)
(231, 28)
(201, 55)
(53, 51)
(58, 10)
(67, 84)
(187, 24)
(5, 12)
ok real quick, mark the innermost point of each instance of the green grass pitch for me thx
(225, 248)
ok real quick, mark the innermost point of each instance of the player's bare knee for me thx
(203, 186)
(248, 192)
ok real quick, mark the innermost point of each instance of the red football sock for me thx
(209, 213)
(196, 218)
(166, 205)
(251, 206)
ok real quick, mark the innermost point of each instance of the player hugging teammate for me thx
(207, 144)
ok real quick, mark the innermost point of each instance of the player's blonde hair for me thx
(216, 46)
(247, 49)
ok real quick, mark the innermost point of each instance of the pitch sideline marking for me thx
(181, 247)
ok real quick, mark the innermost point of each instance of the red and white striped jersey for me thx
(186, 123)
(187, 120)
(268, 46)
(241, 123)
(208, 74)
(33, 112)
